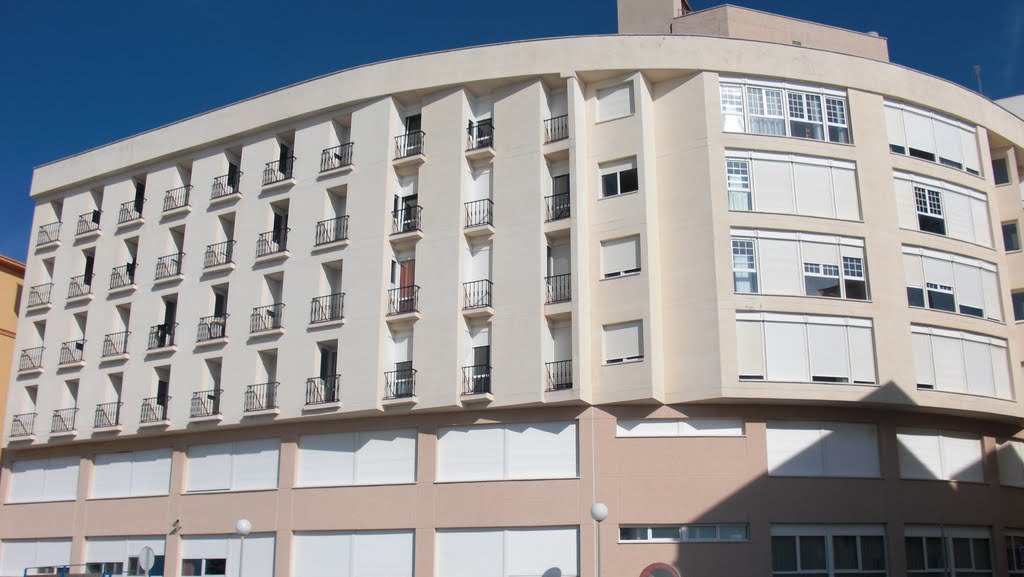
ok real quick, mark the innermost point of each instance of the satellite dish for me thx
(146, 559)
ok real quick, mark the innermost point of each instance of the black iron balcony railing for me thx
(480, 134)
(272, 242)
(226, 185)
(123, 276)
(212, 327)
(557, 206)
(107, 415)
(327, 308)
(406, 219)
(559, 375)
(162, 335)
(399, 384)
(154, 409)
(266, 318)
(559, 288)
(80, 286)
(177, 198)
(72, 352)
(556, 128)
(331, 230)
(336, 157)
(261, 397)
(476, 294)
(31, 359)
(409, 144)
(479, 212)
(39, 295)
(476, 380)
(115, 344)
(323, 390)
(219, 254)
(278, 170)
(63, 420)
(205, 403)
(88, 222)
(48, 233)
(169, 266)
(23, 425)
(131, 210)
(403, 300)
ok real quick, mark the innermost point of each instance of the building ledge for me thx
(263, 413)
(71, 366)
(162, 350)
(477, 397)
(267, 333)
(110, 429)
(64, 434)
(114, 359)
(403, 318)
(333, 323)
(22, 440)
(478, 312)
(279, 184)
(130, 224)
(482, 153)
(48, 246)
(330, 245)
(400, 401)
(409, 161)
(122, 290)
(155, 424)
(558, 227)
(406, 238)
(225, 198)
(174, 278)
(483, 231)
(32, 371)
(88, 235)
(212, 342)
(279, 255)
(322, 407)
(38, 308)
(226, 267)
(181, 210)
(79, 299)
(327, 174)
(207, 419)
(556, 149)
(558, 311)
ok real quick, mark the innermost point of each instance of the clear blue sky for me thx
(80, 74)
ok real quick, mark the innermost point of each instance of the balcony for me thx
(334, 230)
(480, 215)
(161, 337)
(80, 287)
(154, 410)
(261, 398)
(480, 140)
(400, 384)
(205, 404)
(278, 171)
(72, 353)
(48, 233)
(403, 300)
(88, 223)
(63, 421)
(559, 375)
(176, 199)
(557, 207)
(476, 296)
(556, 128)
(409, 145)
(559, 288)
(108, 416)
(219, 256)
(115, 345)
(327, 309)
(212, 328)
(123, 277)
(336, 158)
(226, 186)
(39, 295)
(476, 380)
(31, 360)
(130, 211)
(168, 268)
(23, 425)
(272, 244)
(267, 318)
(323, 391)
(406, 220)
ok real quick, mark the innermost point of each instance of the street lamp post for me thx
(242, 527)
(599, 512)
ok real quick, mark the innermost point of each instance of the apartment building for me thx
(736, 276)
(12, 272)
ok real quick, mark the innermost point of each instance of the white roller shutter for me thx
(318, 554)
(27, 481)
(914, 269)
(259, 555)
(205, 546)
(919, 131)
(862, 354)
(938, 271)
(620, 255)
(961, 457)
(647, 428)
(905, 203)
(978, 368)
(851, 450)
(106, 550)
(981, 222)
(990, 291)
(969, 145)
(209, 467)
(820, 253)
(969, 291)
(471, 453)
(948, 356)
(386, 457)
(51, 552)
(829, 351)
(543, 551)
(786, 352)
(920, 455)
(794, 449)
(112, 475)
(814, 190)
(482, 185)
(326, 460)
(18, 555)
(623, 341)
(151, 472)
(255, 464)
(750, 348)
(1010, 454)
(615, 102)
(470, 553)
(773, 186)
(844, 187)
(1001, 372)
(894, 126)
(61, 479)
(381, 554)
(947, 142)
(957, 211)
(781, 270)
(924, 366)
(711, 428)
(542, 451)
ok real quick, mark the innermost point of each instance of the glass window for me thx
(940, 297)
(615, 183)
(671, 533)
(684, 533)
(821, 280)
(915, 296)
(764, 108)
(732, 108)
(1011, 236)
(1015, 554)
(737, 173)
(838, 126)
(1018, 305)
(929, 210)
(805, 117)
(1000, 171)
(632, 533)
(744, 269)
(854, 283)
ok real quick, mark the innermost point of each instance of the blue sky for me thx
(81, 74)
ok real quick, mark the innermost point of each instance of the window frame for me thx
(829, 533)
(618, 177)
(639, 323)
(934, 157)
(752, 272)
(626, 272)
(738, 182)
(947, 537)
(756, 105)
(1015, 235)
(683, 532)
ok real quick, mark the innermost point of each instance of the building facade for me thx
(12, 274)
(741, 279)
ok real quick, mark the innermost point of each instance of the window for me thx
(928, 549)
(507, 552)
(119, 555)
(623, 342)
(239, 466)
(357, 458)
(930, 136)
(1015, 552)
(615, 102)
(1018, 305)
(952, 283)
(813, 449)
(135, 474)
(828, 550)
(961, 362)
(744, 269)
(352, 553)
(798, 264)
(619, 177)
(822, 280)
(938, 207)
(792, 184)
(804, 348)
(218, 555)
(776, 109)
(684, 533)
(1010, 456)
(620, 256)
(737, 174)
(1000, 171)
(498, 452)
(700, 427)
(54, 479)
(1011, 236)
(939, 455)
(17, 554)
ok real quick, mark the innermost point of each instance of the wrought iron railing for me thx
(115, 344)
(278, 170)
(31, 359)
(23, 425)
(169, 265)
(327, 308)
(403, 300)
(272, 242)
(323, 390)
(399, 384)
(476, 294)
(226, 185)
(39, 295)
(205, 403)
(212, 327)
(261, 397)
(266, 318)
(476, 380)
(556, 128)
(219, 254)
(480, 134)
(131, 210)
(162, 335)
(336, 157)
(72, 352)
(177, 198)
(48, 233)
(558, 207)
(479, 212)
(559, 375)
(79, 286)
(123, 275)
(63, 420)
(331, 230)
(154, 409)
(107, 415)
(88, 222)
(406, 219)
(559, 288)
(409, 144)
